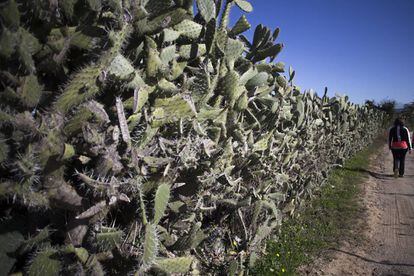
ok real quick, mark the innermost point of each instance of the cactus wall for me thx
(150, 137)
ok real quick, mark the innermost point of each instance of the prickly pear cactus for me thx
(150, 137)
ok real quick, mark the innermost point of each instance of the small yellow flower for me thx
(283, 270)
(277, 254)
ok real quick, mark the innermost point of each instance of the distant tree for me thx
(387, 106)
(370, 103)
(408, 113)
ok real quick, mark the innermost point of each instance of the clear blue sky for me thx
(361, 48)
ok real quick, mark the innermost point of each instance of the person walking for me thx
(399, 142)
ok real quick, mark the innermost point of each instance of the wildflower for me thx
(277, 255)
(283, 270)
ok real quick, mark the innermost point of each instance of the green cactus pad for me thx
(95, 5)
(225, 16)
(170, 35)
(244, 5)
(30, 91)
(35, 241)
(281, 81)
(8, 43)
(120, 69)
(45, 262)
(4, 149)
(150, 247)
(230, 88)
(241, 26)
(242, 102)
(171, 110)
(189, 29)
(258, 80)
(160, 22)
(10, 14)
(162, 197)
(154, 62)
(192, 51)
(82, 41)
(10, 239)
(263, 143)
(168, 54)
(207, 9)
(234, 49)
(157, 6)
(108, 238)
(174, 265)
(68, 7)
(270, 52)
(81, 88)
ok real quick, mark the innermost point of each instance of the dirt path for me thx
(389, 245)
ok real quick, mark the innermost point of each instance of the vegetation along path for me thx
(388, 247)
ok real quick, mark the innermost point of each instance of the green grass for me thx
(327, 218)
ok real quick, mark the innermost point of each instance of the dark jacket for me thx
(399, 134)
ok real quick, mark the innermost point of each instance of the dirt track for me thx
(389, 236)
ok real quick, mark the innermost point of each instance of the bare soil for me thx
(386, 246)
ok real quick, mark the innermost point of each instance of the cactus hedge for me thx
(150, 137)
